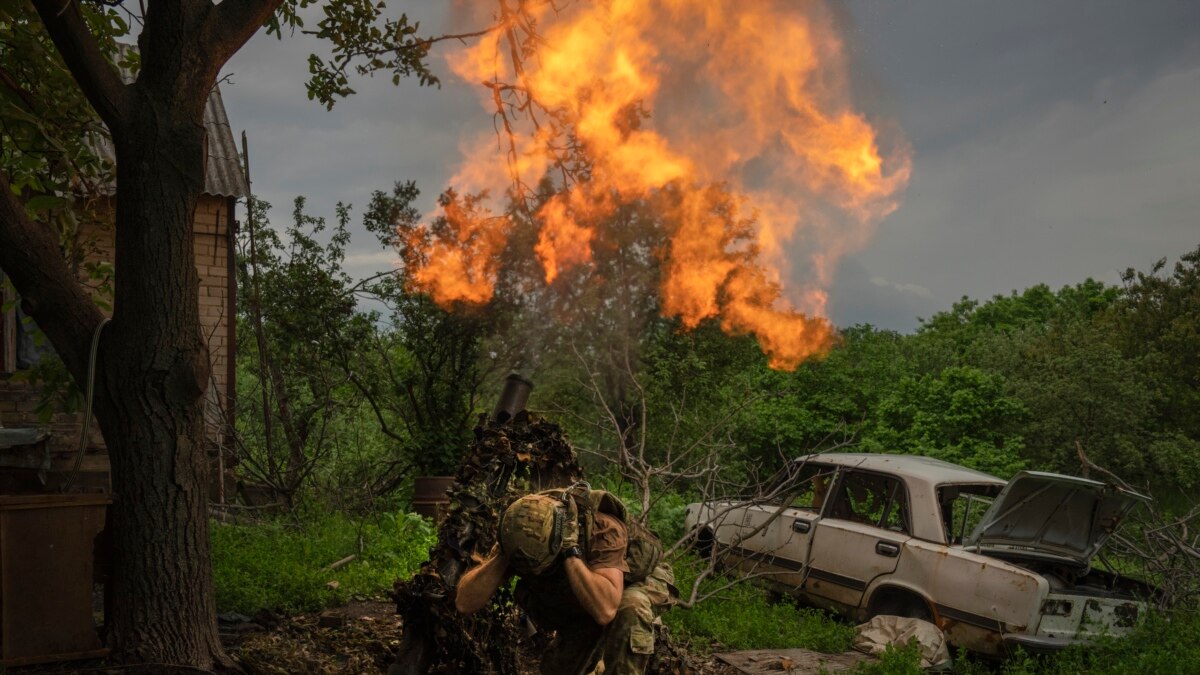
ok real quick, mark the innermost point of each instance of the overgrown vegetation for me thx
(744, 616)
(283, 564)
(664, 416)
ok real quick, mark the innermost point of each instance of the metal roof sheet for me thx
(223, 175)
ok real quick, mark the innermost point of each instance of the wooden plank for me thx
(77, 656)
(92, 461)
(8, 329)
(791, 661)
(17, 502)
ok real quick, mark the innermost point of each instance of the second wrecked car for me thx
(994, 564)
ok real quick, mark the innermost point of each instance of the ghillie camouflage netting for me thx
(504, 462)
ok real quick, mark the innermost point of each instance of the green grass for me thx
(743, 617)
(278, 564)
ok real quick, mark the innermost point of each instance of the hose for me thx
(87, 407)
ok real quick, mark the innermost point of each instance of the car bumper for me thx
(1037, 644)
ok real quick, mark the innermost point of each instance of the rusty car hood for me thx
(1049, 513)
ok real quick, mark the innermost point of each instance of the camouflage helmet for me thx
(531, 533)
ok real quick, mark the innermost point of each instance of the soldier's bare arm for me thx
(476, 587)
(599, 591)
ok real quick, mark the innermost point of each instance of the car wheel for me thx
(896, 602)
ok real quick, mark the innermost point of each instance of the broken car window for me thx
(813, 487)
(802, 485)
(872, 499)
(962, 508)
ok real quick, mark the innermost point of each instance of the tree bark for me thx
(154, 373)
(153, 366)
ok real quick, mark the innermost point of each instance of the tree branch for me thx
(236, 22)
(50, 292)
(100, 82)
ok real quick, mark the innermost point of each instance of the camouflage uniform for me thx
(627, 642)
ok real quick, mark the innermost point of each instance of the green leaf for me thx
(45, 203)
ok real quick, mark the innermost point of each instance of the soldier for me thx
(577, 588)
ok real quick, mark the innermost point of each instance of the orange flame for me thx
(459, 254)
(752, 96)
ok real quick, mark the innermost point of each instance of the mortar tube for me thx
(513, 398)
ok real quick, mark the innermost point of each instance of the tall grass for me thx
(744, 617)
(280, 565)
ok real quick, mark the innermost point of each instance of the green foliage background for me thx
(1009, 383)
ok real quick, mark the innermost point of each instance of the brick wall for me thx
(18, 399)
(212, 263)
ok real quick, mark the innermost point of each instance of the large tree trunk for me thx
(155, 370)
(153, 363)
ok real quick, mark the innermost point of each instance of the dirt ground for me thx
(360, 638)
(363, 637)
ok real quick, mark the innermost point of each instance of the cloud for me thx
(1062, 190)
(858, 297)
(1052, 142)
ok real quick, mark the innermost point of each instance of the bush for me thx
(278, 564)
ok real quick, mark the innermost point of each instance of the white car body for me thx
(878, 541)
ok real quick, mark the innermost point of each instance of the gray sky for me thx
(1052, 141)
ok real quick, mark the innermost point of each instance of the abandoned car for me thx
(995, 565)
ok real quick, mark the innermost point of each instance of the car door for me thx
(739, 532)
(754, 544)
(859, 537)
(792, 535)
(771, 533)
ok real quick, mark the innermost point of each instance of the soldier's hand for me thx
(570, 531)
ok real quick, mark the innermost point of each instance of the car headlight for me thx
(1057, 607)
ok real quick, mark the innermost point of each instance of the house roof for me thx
(223, 175)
